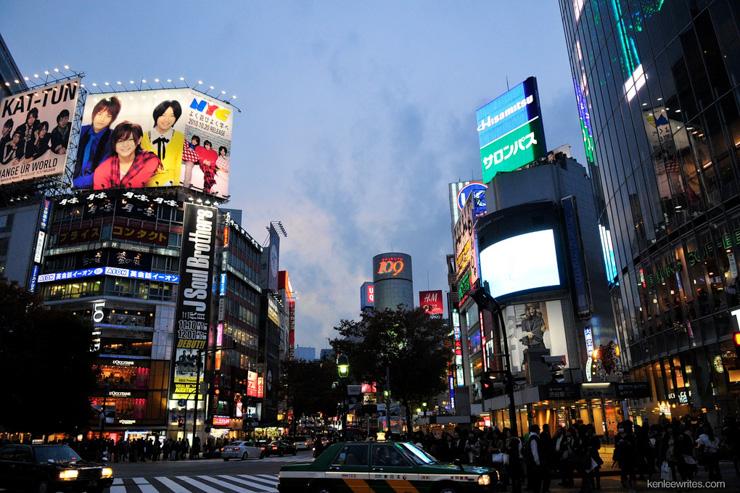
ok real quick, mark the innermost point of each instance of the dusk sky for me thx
(355, 115)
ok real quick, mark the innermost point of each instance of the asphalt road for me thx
(268, 465)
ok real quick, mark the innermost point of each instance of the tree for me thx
(46, 366)
(408, 344)
(310, 388)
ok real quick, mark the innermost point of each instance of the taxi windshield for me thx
(418, 455)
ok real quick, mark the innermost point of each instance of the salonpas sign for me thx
(510, 131)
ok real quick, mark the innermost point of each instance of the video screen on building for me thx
(520, 263)
(157, 138)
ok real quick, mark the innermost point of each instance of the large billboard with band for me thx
(193, 309)
(156, 138)
(36, 127)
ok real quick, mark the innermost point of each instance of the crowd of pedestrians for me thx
(574, 457)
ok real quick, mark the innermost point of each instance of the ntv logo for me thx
(213, 110)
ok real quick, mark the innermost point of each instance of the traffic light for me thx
(557, 367)
(487, 380)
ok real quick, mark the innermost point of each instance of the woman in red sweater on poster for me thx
(130, 166)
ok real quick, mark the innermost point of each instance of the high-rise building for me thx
(392, 279)
(305, 353)
(656, 85)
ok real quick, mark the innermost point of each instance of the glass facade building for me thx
(656, 84)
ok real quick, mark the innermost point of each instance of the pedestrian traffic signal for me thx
(180, 422)
(487, 381)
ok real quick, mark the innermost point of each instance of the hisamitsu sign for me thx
(510, 131)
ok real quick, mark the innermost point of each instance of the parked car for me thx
(281, 447)
(48, 468)
(395, 466)
(243, 450)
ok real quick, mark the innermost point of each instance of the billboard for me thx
(367, 295)
(391, 265)
(431, 303)
(478, 192)
(510, 131)
(537, 325)
(158, 138)
(36, 126)
(466, 250)
(193, 309)
(520, 263)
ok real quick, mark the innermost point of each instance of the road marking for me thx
(198, 484)
(172, 485)
(144, 485)
(261, 481)
(117, 489)
(252, 483)
(270, 477)
(226, 485)
(117, 481)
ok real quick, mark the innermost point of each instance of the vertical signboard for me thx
(431, 303)
(367, 295)
(466, 251)
(273, 260)
(193, 309)
(510, 131)
(581, 292)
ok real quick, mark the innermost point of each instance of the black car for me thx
(281, 448)
(48, 468)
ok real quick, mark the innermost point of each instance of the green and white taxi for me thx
(383, 467)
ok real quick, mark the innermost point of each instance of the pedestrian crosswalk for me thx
(217, 483)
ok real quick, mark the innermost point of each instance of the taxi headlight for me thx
(68, 474)
(484, 480)
(106, 472)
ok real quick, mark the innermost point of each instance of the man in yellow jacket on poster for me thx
(166, 142)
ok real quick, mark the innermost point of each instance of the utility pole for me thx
(485, 301)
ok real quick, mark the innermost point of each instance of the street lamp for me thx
(343, 372)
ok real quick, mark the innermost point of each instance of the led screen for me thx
(520, 263)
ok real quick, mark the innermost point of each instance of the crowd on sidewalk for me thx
(671, 450)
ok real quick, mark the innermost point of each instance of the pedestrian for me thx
(514, 470)
(533, 460)
(624, 454)
(708, 449)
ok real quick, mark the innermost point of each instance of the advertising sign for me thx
(537, 326)
(478, 192)
(140, 233)
(581, 292)
(431, 303)
(510, 131)
(251, 384)
(367, 295)
(35, 131)
(272, 311)
(78, 236)
(271, 260)
(466, 251)
(520, 263)
(391, 265)
(109, 271)
(186, 373)
(181, 137)
(193, 309)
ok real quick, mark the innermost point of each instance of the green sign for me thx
(464, 285)
(517, 148)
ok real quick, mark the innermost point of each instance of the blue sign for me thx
(478, 191)
(34, 278)
(109, 271)
(508, 112)
(222, 285)
(45, 214)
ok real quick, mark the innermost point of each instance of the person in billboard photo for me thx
(207, 157)
(129, 166)
(189, 160)
(41, 140)
(60, 134)
(166, 142)
(533, 328)
(6, 133)
(25, 149)
(10, 149)
(95, 141)
(222, 167)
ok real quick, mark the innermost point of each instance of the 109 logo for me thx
(392, 266)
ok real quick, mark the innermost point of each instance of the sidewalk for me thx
(612, 481)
